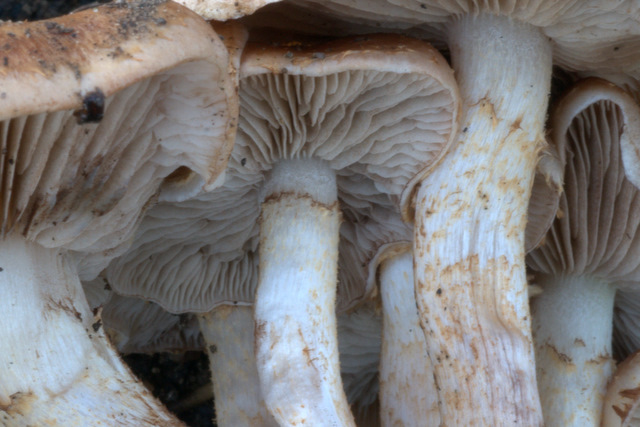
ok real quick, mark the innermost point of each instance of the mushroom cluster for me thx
(349, 220)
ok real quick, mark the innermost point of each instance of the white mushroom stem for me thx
(228, 332)
(56, 365)
(296, 333)
(622, 399)
(408, 395)
(573, 327)
(470, 219)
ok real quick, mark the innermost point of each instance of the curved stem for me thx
(228, 332)
(407, 391)
(573, 327)
(296, 332)
(56, 365)
(469, 228)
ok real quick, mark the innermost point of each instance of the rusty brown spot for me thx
(277, 197)
(65, 305)
(630, 393)
(260, 332)
(560, 356)
(21, 403)
(622, 412)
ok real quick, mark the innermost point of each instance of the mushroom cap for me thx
(221, 10)
(297, 101)
(367, 235)
(387, 108)
(99, 110)
(626, 323)
(587, 34)
(359, 341)
(545, 197)
(595, 231)
(138, 326)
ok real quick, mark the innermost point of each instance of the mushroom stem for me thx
(56, 365)
(407, 391)
(296, 332)
(573, 353)
(470, 219)
(622, 399)
(228, 332)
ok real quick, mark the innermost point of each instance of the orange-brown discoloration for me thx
(65, 305)
(21, 404)
(62, 50)
(622, 412)
(290, 196)
(43, 47)
(560, 357)
(630, 393)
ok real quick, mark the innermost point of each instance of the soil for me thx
(32, 10)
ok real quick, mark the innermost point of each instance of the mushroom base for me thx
(57, 366)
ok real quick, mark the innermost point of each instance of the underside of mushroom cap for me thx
(591, 249)
(210, 239)
(592, 34)
(197, 254)
(595, 231)
(99, 107)
(382, 106)
(359, 343)
(138, 326)
(545, 197)
(626, 323)
(364, 236)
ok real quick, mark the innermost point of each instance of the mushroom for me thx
(376, 250)
(622, 399)
(312, 116)
(589, 252)
(359, 345)
(99, 110)
(626, 323)
(323, 118)
(470, 214)
(222, 10)
(137, 326)
(229, 333)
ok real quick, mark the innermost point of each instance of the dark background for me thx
(31, 10)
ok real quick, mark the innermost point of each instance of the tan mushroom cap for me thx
(221, 10)
(97, 109)
(332, 92)
(591, 34)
